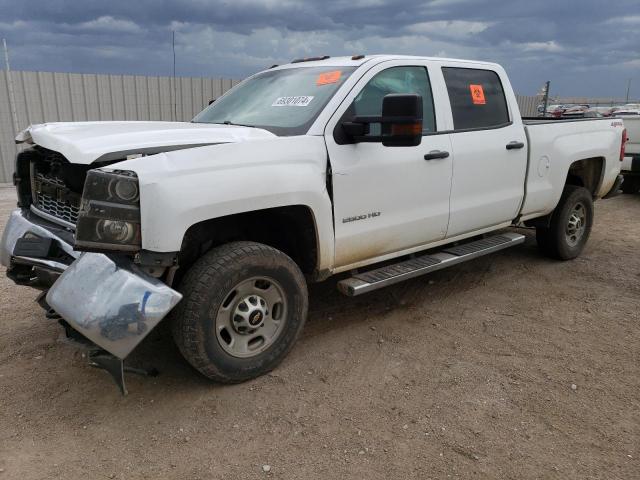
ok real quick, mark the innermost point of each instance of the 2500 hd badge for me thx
(361, 217)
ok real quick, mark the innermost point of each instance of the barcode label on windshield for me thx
(298, 101)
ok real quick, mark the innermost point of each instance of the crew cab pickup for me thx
(631, 162)
(385, 167)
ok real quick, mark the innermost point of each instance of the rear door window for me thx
(477, 98)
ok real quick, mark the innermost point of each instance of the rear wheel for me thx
(570, 225)
(244, 306)
(630, 184)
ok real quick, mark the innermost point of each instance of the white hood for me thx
(86, 142)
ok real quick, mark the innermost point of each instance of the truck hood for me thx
(87, 142)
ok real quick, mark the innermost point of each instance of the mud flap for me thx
(615, 190)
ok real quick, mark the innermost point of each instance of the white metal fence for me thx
(72, 97)
(528, 105)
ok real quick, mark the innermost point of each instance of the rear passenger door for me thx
(489, 149)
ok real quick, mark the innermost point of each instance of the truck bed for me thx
(554, 145)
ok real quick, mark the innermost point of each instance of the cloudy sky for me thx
(585, 47)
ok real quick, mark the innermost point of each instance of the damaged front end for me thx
(113, 303)
(105, 294)
(107, 299)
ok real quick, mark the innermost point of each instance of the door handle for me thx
(436, 154)
(515, 145)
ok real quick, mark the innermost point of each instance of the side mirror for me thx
(355, 130)
(401, 120)
(400, 123)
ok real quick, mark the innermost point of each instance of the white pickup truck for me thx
(385, 167)
(631, 162)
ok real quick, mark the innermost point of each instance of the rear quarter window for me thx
(477, 98)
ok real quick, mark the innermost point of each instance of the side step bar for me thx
(414, 267)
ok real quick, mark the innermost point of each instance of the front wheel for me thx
(244, 306)
(570, 226)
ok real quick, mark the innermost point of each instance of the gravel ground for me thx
(510, 366)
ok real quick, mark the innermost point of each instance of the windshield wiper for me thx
(229, 122)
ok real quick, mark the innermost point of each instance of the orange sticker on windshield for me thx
(477, 94)
(328, 77)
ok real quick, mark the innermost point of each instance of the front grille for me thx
(56, 187)
(57, 202)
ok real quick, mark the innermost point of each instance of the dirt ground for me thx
(511, 366)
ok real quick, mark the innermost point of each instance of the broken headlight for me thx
(109, 217)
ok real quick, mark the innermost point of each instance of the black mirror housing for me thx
(355, 129)
(401, 120)
(401, 123)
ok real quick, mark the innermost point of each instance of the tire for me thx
(227, 292)
(570, 226)
(630, 184)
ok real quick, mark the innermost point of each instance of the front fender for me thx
(182, 188)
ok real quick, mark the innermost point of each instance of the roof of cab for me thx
(350, 62)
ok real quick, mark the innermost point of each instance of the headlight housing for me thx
(109, 217)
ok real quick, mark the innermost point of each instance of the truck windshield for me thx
(285, 102)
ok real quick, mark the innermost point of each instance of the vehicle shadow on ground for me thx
(330, 311)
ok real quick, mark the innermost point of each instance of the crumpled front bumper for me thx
(20, 225)
(110, 301)
(107, 299)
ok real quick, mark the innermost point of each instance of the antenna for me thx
(175, 100)
(12, 97)
(546, 89)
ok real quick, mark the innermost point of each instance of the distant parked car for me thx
(577, 111)
(555, 110)
(550, 109)
(604, 111)
(626, 113)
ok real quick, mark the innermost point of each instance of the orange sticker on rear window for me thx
(477, 94)
(328, 77)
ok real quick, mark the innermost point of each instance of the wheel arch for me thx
(584, 172)
(587, 173)
(291, 229)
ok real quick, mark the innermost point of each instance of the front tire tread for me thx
(212, 273)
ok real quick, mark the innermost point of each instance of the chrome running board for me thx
(451, 255)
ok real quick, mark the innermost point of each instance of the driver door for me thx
(388, 200)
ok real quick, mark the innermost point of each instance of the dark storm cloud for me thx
(586, 47)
